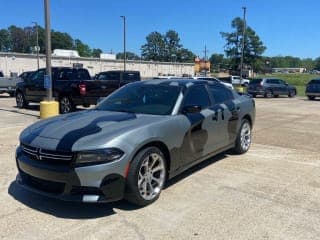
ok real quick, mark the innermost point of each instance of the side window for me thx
(81, 74)
(197, 95)
(38, 76)
(64, 74)
(109, 76)
(220, 94)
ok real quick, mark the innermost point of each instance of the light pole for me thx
(37, 40)
(48, 48)
(243, 36)
(124, 43)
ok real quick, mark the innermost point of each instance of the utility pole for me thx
(124, 43)
(37, 40)
(243, 37)
(205, 58)
(48, 48)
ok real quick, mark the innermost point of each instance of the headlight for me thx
(99, 156)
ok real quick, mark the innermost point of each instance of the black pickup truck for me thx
(70, 86)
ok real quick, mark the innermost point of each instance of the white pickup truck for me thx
(235, 80)
(8, 85)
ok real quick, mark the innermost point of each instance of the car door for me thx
(35, 90)
(228, 123)
(283, 86)
(200, 139)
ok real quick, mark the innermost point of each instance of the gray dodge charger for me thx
(133, 141)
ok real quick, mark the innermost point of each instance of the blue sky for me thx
(285, 27)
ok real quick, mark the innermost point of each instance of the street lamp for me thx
(243, 36)
(124, 43)
(37, 40)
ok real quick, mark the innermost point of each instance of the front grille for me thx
(48, 156)
(42, 185)
(84, 190)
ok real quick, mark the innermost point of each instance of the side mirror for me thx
(191, 109)
(286, 84)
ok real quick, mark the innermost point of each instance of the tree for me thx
(61, 40)
(185, 55)
(172, 45)
(154, 49)
(5, 41)
(218, 62)
(129, 56)
(83, 49)
(96, 52)
(253, 46)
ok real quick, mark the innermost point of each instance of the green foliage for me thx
(165, 48)
(96, 52)
(219, 62)
(83, 49)
(129, 56)
(253, 46)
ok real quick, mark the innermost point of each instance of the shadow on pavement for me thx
(68, 210)
(20, 112)
(195, 169)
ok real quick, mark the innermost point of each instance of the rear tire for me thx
(11, 94)
(243, 140)
(65, 105)
(21, 100)
(292, 93)
(146, 177)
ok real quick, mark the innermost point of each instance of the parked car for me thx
(270, 87)
(229, 85)
(313, 89)
(235, 80)
(133, 141)
(8, 84)
(71, 87)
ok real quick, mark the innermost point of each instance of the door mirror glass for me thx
(191, 109)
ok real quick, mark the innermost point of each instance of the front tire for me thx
(311, 97)
(243, 140)
(146, 177)
(65, 105)
(268, 94)
(20, 100)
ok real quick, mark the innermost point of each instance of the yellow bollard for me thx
(239, 89)
(49, 109)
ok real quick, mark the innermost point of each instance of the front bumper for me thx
(96, 183)
(316, 94)
(256, 91)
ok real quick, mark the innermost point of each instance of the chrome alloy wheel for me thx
(65, 105)
(19, 100)
(151, 176)
(245, 136)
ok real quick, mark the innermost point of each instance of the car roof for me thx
(182, 82)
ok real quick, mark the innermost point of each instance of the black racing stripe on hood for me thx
(67, 141)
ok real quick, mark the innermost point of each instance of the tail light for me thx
(83, 89)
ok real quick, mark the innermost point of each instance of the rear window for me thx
(255, 81)
(131, 76)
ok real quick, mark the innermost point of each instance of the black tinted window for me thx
(314, 81)
(109, 76)
(81, 74)
(220, 94)
(131, 76)
(197, 95)
(64, 74)
(255, 81)
(38, 76)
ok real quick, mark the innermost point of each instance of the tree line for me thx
(24, 40)
(165, 47)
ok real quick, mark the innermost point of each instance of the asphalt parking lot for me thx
(272, 192)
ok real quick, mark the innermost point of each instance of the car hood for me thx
(64, 131)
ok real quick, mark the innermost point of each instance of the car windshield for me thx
(154, 99)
